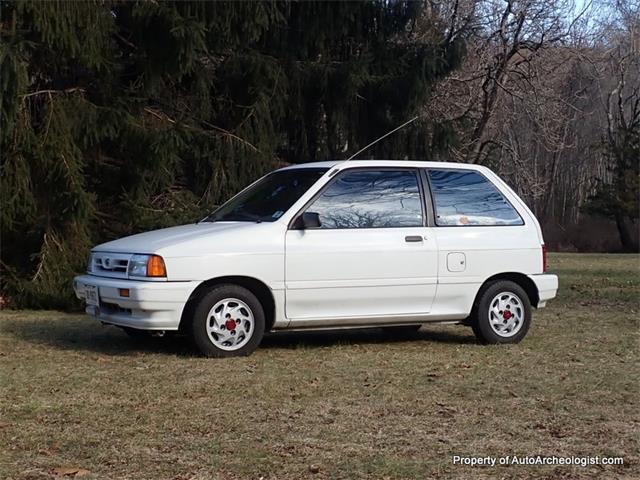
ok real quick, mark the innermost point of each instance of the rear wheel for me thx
(228, 321)
(502, 313)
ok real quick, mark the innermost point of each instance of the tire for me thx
(502, 313)
(402, 330)
(214, 330)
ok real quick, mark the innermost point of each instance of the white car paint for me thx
(359, 273)
(326, 278)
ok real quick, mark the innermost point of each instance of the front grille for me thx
(107, 264)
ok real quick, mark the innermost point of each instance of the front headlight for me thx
(146, 266)
(138, 265)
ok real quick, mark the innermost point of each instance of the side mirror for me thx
(311, 220)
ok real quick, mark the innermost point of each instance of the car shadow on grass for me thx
(109, 340)
(363, 336)
(74, 335)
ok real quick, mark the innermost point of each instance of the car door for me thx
(371, 259)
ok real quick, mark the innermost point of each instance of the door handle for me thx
(413, 238)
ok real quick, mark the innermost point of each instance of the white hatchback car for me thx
(332, 245)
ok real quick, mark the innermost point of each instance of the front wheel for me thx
(228, 321)
(502, 313)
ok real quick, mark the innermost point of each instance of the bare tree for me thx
(508, 37)
(619, 195)
(530, 99)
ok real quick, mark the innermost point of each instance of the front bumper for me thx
(150, 305)
(547, 285)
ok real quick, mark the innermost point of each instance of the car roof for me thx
(382, 163)
(298, 166)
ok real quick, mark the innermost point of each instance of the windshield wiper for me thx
(236, 217)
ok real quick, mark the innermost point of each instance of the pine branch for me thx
(165, 117)
(49, 92)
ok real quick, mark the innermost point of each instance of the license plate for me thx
(91, 295)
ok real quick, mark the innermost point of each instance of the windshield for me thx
(269, 198)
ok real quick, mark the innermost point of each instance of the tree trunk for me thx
(628, 243)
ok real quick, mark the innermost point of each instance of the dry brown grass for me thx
(359, 404)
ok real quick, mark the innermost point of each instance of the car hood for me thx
(181, 240)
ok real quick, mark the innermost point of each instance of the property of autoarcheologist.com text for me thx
(488, 461)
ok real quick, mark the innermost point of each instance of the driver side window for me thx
(371, 199)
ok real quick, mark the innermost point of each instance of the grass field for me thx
(81, 399)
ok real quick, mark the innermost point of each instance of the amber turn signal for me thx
(124, 292)
(155, 267)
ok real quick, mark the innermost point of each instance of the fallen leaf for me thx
(35, 474)
(70, 472)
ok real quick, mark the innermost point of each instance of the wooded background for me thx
(118, 117)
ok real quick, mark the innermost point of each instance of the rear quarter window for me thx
(468, 198)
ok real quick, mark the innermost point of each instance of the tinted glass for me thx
(465, 197)
(371, 199)
(269, 198)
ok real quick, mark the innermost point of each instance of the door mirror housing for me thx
(310, 220)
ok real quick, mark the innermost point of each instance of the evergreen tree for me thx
(118, 116)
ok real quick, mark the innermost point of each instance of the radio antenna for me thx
(383, 137)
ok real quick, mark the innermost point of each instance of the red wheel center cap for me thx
(507, 315)
(230, 324)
